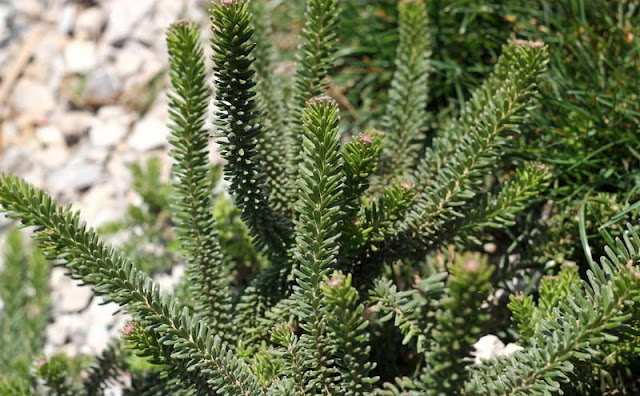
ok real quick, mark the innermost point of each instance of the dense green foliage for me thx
(24, 294)
(364, 261)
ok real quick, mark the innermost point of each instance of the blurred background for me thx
(83, 112)
(82, 100)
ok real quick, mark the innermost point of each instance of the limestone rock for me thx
(103, 86)
(148, 133)
(124, 15)
(73, 124)
(490, 347)
(50, 136)
(32, 97)
(90, 22)
(80, 56)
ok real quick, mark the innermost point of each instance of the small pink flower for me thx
(472, 265)
(529, 43)
(336, 281)
(129, 328)
(320, 99)
(364, 138)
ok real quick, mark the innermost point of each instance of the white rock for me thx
(107, 134)
(67, 18)
(114, 390)
(139, 82)
(10, 133)
(166, 12)
(29, 7)
(50, 136)
(130, 58)
(124, 15)
(80, 56)
(52, 157)
(57, 332)
(90, 154)
(34, 176)
(487, 347)
(69, 297)
(117, 167)
(97, 339)
(18, 159)
(177, 272)
(57, 278)
(38, 71)
(510, 349)
(148, 133)
(74, 176)
(117, 113)
(147, 32)
(6, 13)
(160, 107)
(196, 10)
(101, 204)
(103, 86)
(32, 97)
(110, 126)
(90, 22)
(73, 124)
(74, 326)
(50, 48)
(101, 320)
(490, 347)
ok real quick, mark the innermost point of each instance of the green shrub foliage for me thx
(366, 273)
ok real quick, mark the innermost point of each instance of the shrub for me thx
(369, 286)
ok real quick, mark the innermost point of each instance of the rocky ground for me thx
(82, 96)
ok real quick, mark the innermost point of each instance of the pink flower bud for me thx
(529, 43)
(129, 328)
(321, 99)
(364, 138)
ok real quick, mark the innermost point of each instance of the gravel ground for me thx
(82, 96)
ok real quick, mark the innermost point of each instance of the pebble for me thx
(90, 23)
(33, 98)
(9, 133)
(74, 176)
(101, 204)
(31, 8)
(130, 59)
(110, 126)
(17, 158)
(490, 347)
(107, 134)
(148, 133)
(35, 176)
(103, 86)
(73, 124)
(50, 136)
(74, 297)
(124, 15)
(80, 56)
(52, 157)
(67, 18)
(6, 13)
